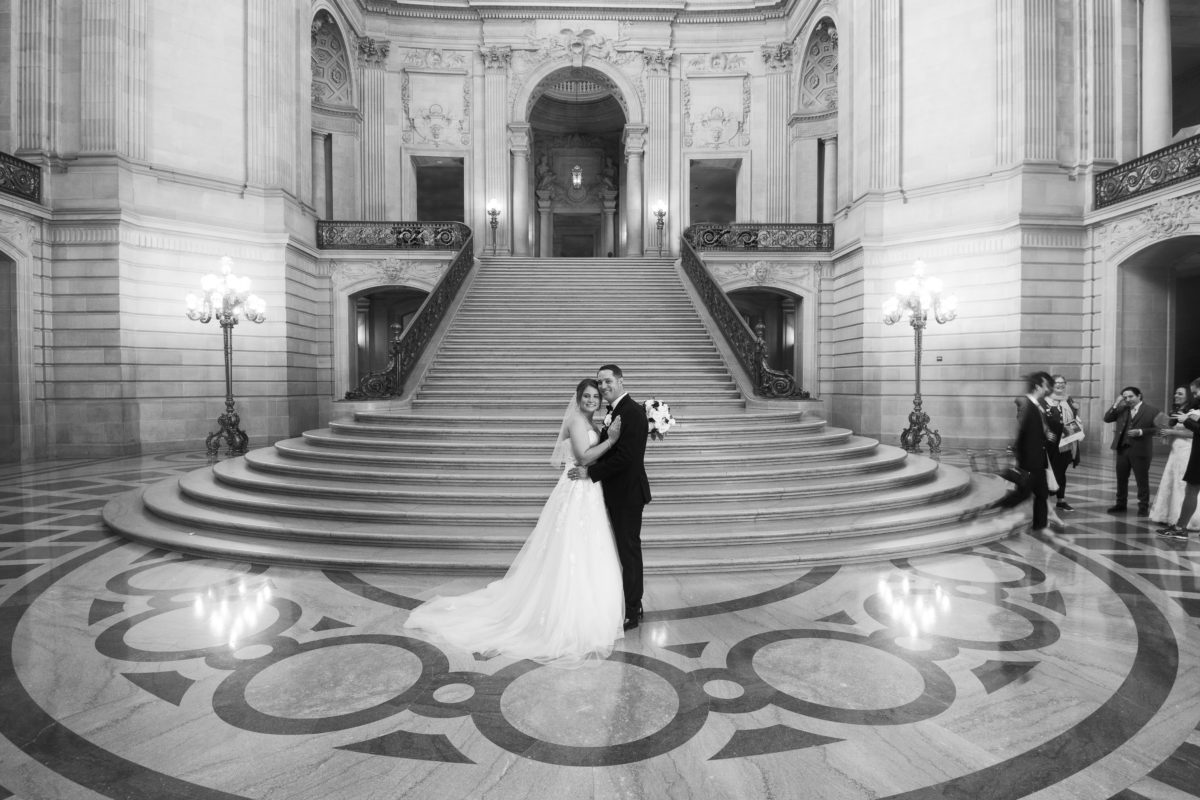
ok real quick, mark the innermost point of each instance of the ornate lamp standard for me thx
(915, 297)
(227, 297)
(660, 211)
(493, 210)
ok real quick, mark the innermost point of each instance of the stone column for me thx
(496, 62)
(1157, 125)
(545, 204)
(372, 61)
(634, 140)
(518, 147)
(608, 223)
(772, 166)
(829, 177)
(113, 78)
(320, 192)
(658, 140)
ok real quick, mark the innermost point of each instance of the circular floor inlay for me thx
(177, 576)
(968, 567)
(186, 629)
(596, 706)
(333, 681)
(723, 690)
(838, 673)
(453, 693)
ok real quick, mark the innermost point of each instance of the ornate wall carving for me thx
(422, 275)
(331, 84)
(802, 278)
(576, 48)
(819, 71)
(714, 115)
(435, 108)
(1159, 222)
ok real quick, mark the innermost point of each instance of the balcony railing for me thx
(1172, 164)
(781, 236)
(20, 178)
(357, 235)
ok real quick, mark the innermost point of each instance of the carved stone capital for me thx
(496, 58)
(373, 52)
(519, 138)
(657, 62)
(777, 56)
(634, 139)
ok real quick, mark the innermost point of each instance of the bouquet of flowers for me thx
(658, 414)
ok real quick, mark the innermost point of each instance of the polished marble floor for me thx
(1056, 666)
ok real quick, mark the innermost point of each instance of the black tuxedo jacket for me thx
(1139, 446)
(622, 470)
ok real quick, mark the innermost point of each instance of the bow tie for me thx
(608, 409)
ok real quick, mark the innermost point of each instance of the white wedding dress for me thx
(1168, 501)
(560, 602)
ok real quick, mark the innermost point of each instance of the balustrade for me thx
(1172, 164)
(800, 237)
(20, 178)
(358, 235)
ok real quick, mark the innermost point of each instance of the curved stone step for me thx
(971, 519)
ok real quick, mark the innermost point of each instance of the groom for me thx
(622, 475)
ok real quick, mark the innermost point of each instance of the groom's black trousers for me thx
(626, 519)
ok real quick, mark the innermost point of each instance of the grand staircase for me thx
(453, 479)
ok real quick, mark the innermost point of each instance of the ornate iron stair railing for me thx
(747, 346)
(20, 178)
(786, 236)
(356, 235)
(406, 349)
(1172, 164)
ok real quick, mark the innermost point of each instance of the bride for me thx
(561, 601)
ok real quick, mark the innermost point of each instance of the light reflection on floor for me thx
(1063, 666)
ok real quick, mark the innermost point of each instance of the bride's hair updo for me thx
(583, 384)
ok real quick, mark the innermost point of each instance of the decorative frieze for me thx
(1160, 221)
(716, 63)
(804, 277)
(387, 272)
(714, 124)
(431, 59)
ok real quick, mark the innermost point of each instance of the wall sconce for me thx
(577, 176)
(493, 210)
(660, 213)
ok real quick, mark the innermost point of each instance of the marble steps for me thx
(847, 457)
(484, 406)
(530, 491)
(507, 434)
(970, 518)
(292, 516)
(546, 423)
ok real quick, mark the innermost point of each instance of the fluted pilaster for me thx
(372, 59)
(658, 141)
(496, 61)
(1103, 110)
(101, 76)
(33, 23)
(773, 142)
(882, 23)
(1038, 35)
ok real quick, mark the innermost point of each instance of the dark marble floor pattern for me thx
(1062, 665)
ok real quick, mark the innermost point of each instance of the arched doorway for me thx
(380, 314)
(1157, 326)
(779, 314)
(577, 123)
